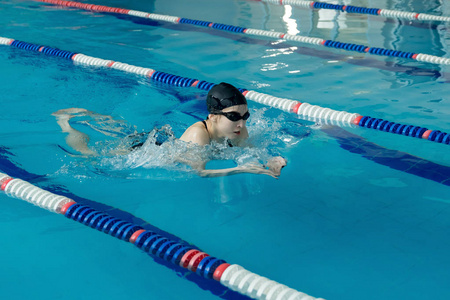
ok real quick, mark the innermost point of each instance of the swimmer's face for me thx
(228, 128)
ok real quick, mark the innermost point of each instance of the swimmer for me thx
(226, 123)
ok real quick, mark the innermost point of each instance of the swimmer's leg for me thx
(105, 124)
(75, 139)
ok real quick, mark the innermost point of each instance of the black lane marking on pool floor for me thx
(394, 159)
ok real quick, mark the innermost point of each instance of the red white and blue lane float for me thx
(387, 13)
(233, 276)
(257, 32)
(303, 110)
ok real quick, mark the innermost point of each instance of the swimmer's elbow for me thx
(203, 173)
(199, 168)
(207, 173)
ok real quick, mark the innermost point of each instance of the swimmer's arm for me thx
(254, 169)
(200, 167)
(272, 168)
(247, 168)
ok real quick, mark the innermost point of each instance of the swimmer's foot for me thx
(63, 122)
(71, 111)
(64, 115)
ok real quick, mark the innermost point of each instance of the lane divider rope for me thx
(233, 276)
(411, 16)
(303, 110)
(265, 33)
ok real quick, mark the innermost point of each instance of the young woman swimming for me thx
(226, 123)
(228, 114)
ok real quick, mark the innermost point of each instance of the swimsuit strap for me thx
(206, 126)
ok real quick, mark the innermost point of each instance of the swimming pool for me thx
(346, 220)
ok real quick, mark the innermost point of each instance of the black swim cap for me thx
(223, 95)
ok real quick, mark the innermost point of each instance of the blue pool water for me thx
(356, 214)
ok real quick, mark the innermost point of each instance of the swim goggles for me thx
(234, 116)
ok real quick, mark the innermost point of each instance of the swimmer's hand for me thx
(257, 169)
(276, 164)
(273, 167)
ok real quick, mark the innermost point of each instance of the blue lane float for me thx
(43, 49)
(303, 110)
(213, 286)
(396, 14)
(234, 276)
(264, 33)
(402, 129)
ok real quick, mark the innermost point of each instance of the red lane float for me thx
(265, 33)
(303, 110)
(194, 260)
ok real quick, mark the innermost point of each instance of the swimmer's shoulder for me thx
(197, 134)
